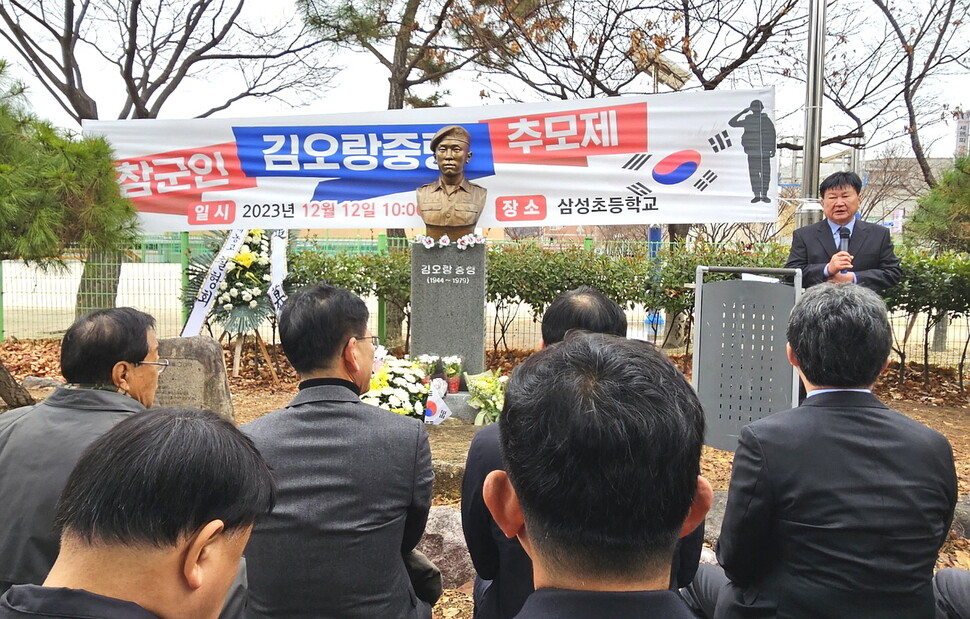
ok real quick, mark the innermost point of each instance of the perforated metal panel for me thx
(741, 370)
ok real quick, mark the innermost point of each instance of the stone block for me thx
(447, 480)
(196, 377)
(444, 544)
(448, 304)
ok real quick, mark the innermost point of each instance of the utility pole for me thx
(808, 211)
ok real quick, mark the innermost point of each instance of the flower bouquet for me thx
(397, 386)
(487, 391)
(452, 367)
(428, 363)
(241, 304)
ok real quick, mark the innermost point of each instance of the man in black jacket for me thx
(601, 439)
(503, 570)
(839, 507)
(869, 261)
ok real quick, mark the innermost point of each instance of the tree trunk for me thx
(11, 391)
(394, 315)
(675, 331)
(940, 334)
(678, 232)
(99, 281)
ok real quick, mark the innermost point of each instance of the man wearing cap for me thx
(451, 205)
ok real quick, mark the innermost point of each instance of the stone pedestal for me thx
(448, 304)
(196, 377)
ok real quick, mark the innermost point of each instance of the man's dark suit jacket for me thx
(837, 509)
(874, 263)
(501, 559)
(496, 557)
(569, 604)
(354, 493)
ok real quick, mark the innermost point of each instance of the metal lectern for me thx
(741, 371)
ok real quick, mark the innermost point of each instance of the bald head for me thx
(584, 308)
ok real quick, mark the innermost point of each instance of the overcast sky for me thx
(362, 86)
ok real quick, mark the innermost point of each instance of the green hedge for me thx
(526, 275)
(533, 276)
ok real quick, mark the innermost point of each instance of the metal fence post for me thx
(184, 257)
(381, 303)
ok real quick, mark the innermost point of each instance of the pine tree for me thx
(943, 215)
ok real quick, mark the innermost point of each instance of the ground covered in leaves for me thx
(933, 398)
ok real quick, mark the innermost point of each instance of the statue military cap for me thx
(455, 132)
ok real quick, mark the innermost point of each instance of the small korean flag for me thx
(436, 411)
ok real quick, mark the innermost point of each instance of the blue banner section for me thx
(354, 162)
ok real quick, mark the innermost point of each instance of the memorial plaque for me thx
(196, 377)
(448, 304)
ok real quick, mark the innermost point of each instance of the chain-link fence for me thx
(38, 302)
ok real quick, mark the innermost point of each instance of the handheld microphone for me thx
(844, 241)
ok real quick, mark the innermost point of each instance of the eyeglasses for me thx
(161, 363)
(374, 339)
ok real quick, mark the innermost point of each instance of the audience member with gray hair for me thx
(839, 507)
(110, 360)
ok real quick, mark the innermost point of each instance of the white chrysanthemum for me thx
(267, 278)
(223, 285)
(234, 292)
(247, 297)
(227, 307)
(253, 304)
(224, 298)
(255, 291)
(244, 249)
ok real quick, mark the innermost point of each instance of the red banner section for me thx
(169, 182)
(520, 208)
(569, 137)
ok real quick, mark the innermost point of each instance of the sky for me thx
(362, 86)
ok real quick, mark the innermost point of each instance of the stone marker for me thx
(448, 304)
(196, 377)
(444, 543)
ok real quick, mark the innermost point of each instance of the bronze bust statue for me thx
(451, 205)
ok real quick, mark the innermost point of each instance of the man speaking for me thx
(841, 248)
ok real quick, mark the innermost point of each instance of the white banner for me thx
(666, 158)
(210, 285)
(277, 270)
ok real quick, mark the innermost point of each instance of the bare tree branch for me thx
(154, 46)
